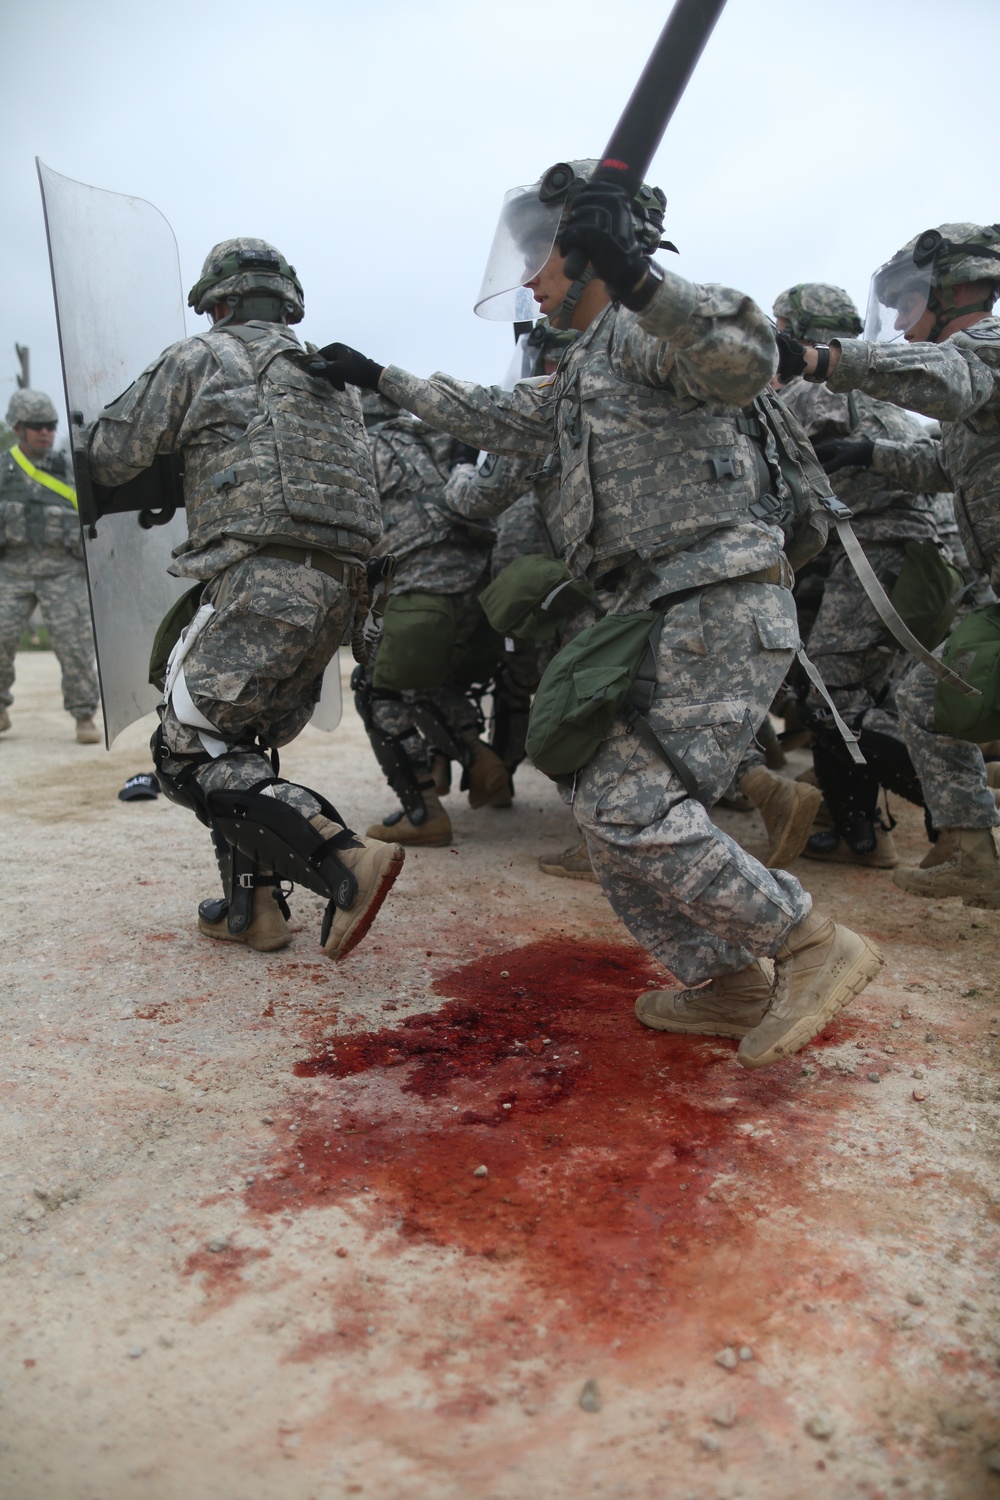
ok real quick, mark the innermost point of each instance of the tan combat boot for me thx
(573, 863)
(788, 809)
(971, 870)
(87, 732)
(374, 866)
(939, 853)
(730, 1005)
(433, 833)
(4, 721)
(489, 779)
(818, 968)
(267, 930)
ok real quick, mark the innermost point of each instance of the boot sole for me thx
(568, 874)
(856, 977)
(797, 830)
(733, 1032)
(370, 910)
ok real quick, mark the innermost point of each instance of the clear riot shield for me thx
(119, 301)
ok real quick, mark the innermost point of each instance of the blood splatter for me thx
(619, 1161)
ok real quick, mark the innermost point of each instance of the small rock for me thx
(267, 1119)
(340, 1251)
(897, 1025)
(915, 1299)
(888, 1049)
(967, 1306)
(724, 1416)
(710, 1442)
(136, 1351)
(168, 1088)
(42, 1193)
(481, 1172)
(746, 1353)
(504, 973)
(165, 1341)
(507, 1106)
(220, 1242)
(919, 1096)
(918, 1073)
(873, 1077)
(727, 1359)
(819, 1426)
(932, 1036)
(590, 1396)
(35, 1213)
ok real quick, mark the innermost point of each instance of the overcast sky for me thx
(372, 142)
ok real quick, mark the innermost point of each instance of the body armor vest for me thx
(971, 454)
(302, 469)
(30, 514)
(642, 472)
(413, 513)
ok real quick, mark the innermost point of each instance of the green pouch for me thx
(530, 596)
(418, 642)
(926, 593)
(582, 690)
(973, 651)
(177, 618)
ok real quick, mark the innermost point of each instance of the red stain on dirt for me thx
(221, 1270)
(623, 1166)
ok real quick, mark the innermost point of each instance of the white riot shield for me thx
(119, 301)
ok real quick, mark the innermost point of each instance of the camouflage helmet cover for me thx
(924, 275)
(238, 266)
(816, 312)
(30, 406)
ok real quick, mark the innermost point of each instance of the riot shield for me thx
(119, 301)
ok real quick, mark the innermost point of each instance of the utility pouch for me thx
(927, 593)
(177, 618)
(531, 595)
(418, 642)
(973, 651)
(582, 691)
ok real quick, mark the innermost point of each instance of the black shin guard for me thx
(276, 837)
(402, 774)
(240, 878)
(851, 793)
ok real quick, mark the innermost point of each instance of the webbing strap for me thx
(847, 734)
(41, 477)
(890, 617)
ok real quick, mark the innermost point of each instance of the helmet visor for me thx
(524, 239)
(898, 299)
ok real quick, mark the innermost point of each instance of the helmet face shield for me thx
(525, 238)
(899, 296)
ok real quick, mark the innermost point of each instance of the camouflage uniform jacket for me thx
(655, 476)
(434, 553)
(883, 512)
(270, 452)
(32, 515)
(957, 382)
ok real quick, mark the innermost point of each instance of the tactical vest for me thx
(971, 454)
(301, 469)
(31, 514)
(412, 514)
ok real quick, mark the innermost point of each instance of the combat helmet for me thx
(925, 272)
(255, 277)
(30, 406)
(816, 312)
(547, 343)
(528, 228)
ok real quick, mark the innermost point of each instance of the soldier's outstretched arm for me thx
(149, 417)
(710, 342)
(485, 493)
(916, 467)
(949, 381)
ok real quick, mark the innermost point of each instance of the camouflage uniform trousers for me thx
(686, 891)
(952, 772)
(452, 700)
(57, 582)
(255, 669)
(848, 642)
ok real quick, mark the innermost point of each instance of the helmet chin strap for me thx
(563, 316)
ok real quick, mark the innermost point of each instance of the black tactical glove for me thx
(791, 357)
(341, 365)
(600, 226)
(845, 453)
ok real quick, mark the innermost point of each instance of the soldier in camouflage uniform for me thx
(847, 641)
(416, 698)
(41, 561)
(282, 514)
(939, 292)
(659, 486)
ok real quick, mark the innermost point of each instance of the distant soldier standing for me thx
(41, 562)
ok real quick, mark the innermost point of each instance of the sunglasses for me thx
(41, 426)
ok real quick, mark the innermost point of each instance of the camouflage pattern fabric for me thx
(688, 893)
(41, 564)
(957, 382)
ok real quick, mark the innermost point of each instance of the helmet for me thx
(545, 342)
(924, 274)
(529, 225)
(30, 406)
(234, 268)
(815, 311)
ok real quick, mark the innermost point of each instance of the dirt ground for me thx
(444, 1220)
